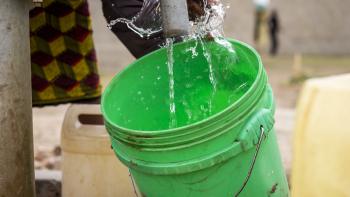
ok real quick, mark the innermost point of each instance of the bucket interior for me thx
(207, 79)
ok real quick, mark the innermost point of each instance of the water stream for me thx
(212, 77)
(170, 64)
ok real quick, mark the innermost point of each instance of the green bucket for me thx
(224, 143)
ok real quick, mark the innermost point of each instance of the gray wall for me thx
(239, 20)
(308, 26)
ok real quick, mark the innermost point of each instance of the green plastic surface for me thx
(207, 154)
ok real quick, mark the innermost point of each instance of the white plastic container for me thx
(90, 168)
(321, 159)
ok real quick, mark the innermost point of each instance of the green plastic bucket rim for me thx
(232, 107)
(247, 139)
(168, 143)
(181, 167)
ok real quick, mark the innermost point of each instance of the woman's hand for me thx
(196, 8)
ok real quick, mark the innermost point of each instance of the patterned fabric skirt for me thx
(63, 59)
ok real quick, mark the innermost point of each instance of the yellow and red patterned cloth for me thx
(63, 58)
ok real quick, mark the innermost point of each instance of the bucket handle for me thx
(252, 164)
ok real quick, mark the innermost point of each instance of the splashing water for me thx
(143, 33)
(146, 23)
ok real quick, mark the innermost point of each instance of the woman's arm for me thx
(138, 46)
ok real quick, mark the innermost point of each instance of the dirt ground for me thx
(282, 75)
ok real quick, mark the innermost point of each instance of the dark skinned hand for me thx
(196, 7)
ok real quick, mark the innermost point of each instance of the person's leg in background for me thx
(257, 26)
(274, 43)
(274, 28)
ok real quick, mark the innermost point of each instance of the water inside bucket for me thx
(139, 97)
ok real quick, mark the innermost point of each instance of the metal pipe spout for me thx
(175, 17)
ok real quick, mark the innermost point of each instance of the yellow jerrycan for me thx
(321, 162)
(90, 168)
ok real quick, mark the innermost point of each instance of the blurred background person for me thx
(261, 7)
(274, 28)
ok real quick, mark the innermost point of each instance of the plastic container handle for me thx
(76, 121)
(250, 135)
